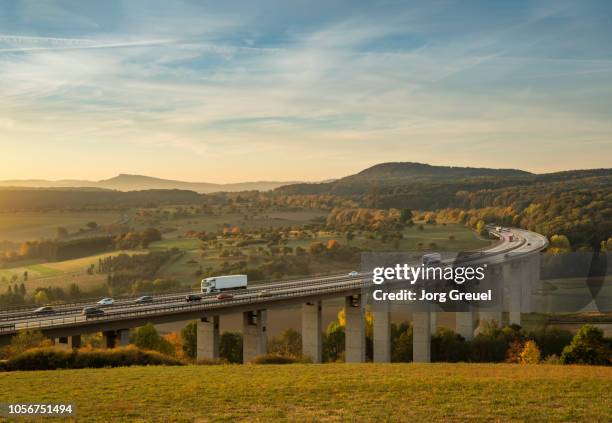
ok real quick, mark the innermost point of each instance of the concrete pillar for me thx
(312, 331)
(433, 321)
(514, 280)
(254, 334)
(421, 337)
(493, 313)
(354, 330)
(123, 337)
(75, 341)
(207, 338)
(110, 338)
(465, 323)
(382, 336)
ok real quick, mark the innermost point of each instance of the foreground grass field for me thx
(330, 392)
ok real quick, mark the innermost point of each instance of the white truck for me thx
(223, 283)
(431, 258)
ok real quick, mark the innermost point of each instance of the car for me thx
(106, 301)
(354, 273)
(44, 310)
(144, 299)
(192, 297)
(264, 293)
(225, 296)
(92, 311)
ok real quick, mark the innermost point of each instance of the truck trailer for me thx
(223, 283)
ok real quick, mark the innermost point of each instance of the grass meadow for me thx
(327, 392)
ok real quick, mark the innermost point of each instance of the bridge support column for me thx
(465, 323)
(421, 337)
(433, 321)
(207, 338)
(382, 336)
(123, 337)
(110, 338)
(514, 280)
(493, 312)
(254, 334)
(312, 331)
(354, 330)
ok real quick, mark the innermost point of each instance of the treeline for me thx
(138, 272)
(53, 250)
(22, 199)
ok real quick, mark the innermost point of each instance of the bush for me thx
(274, 359)
(230, 347)
(27, 339)
(530, 354)
(51, 359)
(147, 338)
(551, 341)
(588, 347)
(447, 346)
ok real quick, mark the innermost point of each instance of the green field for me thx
(61, 274)
(25, 226)
(328, 392)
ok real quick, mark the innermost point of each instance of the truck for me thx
(431, 258)
(223, 283)
(499, 228)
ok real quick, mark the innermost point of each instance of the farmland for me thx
(329, 392)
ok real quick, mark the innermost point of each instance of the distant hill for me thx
(126, 182)
(400, 173)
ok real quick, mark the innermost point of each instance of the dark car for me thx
(192, 297)
(144, 299)
(44, 310)
(92, 311)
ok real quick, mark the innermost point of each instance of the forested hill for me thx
(428, 181)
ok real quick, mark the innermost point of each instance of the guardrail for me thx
(184, 307)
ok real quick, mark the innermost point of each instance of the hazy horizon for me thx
(272, 91)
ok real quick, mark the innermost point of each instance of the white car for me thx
(354, 273)
(106, 301)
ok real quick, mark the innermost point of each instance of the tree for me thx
(41, 297)
(316, 248)
(530, 354)
(146, 337)
(189, 335)
(27, 339)
(150, 235)
(288, 343)
(333, 342)
(588, 347)
(405, 215)
(559, 244)
(92, 225)
(230, 347)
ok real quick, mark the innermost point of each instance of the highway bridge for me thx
(513, 260)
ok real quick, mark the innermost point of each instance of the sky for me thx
(228, 91)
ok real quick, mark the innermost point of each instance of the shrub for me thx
(447, 346)
(530, 353)
(274, 359)
(288, 343)
(50, 359)
(147, 338)
(551, 341)
(230, 347)
(27, 339)
(588, 347)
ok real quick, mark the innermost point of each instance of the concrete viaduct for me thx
(513, 263)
